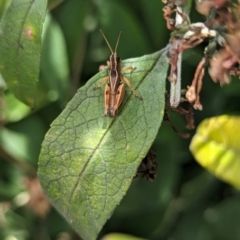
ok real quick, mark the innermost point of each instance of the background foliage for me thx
(184, 202)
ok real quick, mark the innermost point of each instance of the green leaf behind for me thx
(216, 147)
(87, 161)
(20, 47)
(134, 41)
(54, 3)
(15, 110)
(54, 76)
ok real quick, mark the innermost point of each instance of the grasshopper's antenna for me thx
(106, 41)
(118, 41)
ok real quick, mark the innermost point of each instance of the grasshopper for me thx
(114, 90)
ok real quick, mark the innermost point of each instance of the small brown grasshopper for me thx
(114, 90)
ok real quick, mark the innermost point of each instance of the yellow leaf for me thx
(120, 236)
(216, 146)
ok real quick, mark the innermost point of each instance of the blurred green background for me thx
(184, 202)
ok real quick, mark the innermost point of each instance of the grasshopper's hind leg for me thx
(117, 99)
(131, 87)
(107, 99)
(131, 69)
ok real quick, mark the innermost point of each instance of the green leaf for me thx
(14, 110)
(23, 140)
(216, 147)
(3, 5)
(87, 161)
(20, 46)
(54, 63)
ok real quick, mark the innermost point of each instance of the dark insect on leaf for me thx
(148, 166)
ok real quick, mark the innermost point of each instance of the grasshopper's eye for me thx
(118, 59)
